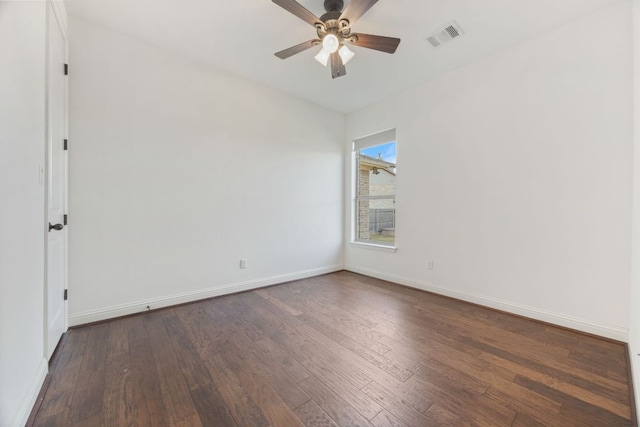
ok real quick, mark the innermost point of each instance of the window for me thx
(375, 191)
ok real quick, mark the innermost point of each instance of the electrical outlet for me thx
(243, 263)
(430, 264)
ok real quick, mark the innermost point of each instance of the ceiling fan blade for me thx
(337, 66)
(356, 8)
(299, 10)
(284, 54)
(381, 43)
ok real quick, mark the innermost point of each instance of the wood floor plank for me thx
(118, 392)
(558, 366)
(523, 420)
(241, 314)
(350, 326)
(69, 360)
(422, 394)
(285, 361)
(364, 404)
(173, 387)
(263, 394)
(313, 416)
(241, 406)
(386, 419)
(398, 407)
(310, 347)
(196, 323)
(468, 366)
(444, 417)
(87, 398)
(56, 402)
(194, 371)
(468, 404)
(262, 366)
(563, 382)
(332, 378)
(263, 317)
(575, 405)
(117, 337)
(524, 401)
(88, 394)
(437, 371)
(336, 407)
(146, 392)
(335, 350)
(379, 360)
(278, 302)
(212, 410)
(192, 421)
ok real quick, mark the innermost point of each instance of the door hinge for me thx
(66, 294)
(66, 69)
(65, 219)
(66, 145)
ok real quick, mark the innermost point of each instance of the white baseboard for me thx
(612, 332)
(155, 303)
(619, 334)
(26, 405)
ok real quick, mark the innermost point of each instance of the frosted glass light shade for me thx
(345, 54)
(323, 57)
(330, 43)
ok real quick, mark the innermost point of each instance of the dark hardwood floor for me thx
(335, 350)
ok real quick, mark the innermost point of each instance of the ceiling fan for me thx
(334, 33)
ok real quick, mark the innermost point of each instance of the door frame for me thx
(56, 13)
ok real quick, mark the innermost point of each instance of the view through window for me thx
(375, 199)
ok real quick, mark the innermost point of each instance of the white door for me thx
(56, 282)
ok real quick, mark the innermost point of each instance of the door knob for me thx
(56, 227)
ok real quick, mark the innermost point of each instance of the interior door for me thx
(56, 277)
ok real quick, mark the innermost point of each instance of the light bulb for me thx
(330, 43)
(322, 57)
(345, 54)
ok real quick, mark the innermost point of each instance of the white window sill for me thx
(373, 246)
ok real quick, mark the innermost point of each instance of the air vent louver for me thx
(448, 33)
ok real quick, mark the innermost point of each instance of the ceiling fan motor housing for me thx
(333, 5)
(332, 22)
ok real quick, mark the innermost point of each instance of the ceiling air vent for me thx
(445, 35)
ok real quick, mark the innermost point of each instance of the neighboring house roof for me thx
(390, 172)
(367, 162)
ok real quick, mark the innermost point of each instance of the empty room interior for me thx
(320, 213)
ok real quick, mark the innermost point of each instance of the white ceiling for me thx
(241, 37)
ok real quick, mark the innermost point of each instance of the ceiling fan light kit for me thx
(330, 43)
(334, 33)
(323, 57)
(346, 54)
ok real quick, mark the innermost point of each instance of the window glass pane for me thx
(375, 225)
(377, 170)
(375, 194)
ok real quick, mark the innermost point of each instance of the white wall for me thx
(514, 176)
(22, 136)
(634, 324)
(178, 171)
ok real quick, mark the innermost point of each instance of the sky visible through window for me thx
(387, 151)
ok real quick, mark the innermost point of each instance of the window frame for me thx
(380, 138)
